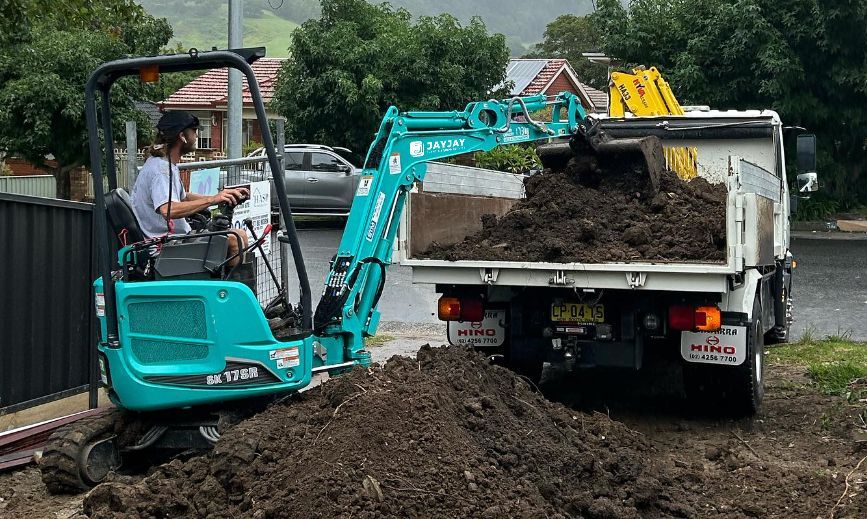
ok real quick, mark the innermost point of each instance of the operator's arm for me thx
(193, 203)
(195, 196)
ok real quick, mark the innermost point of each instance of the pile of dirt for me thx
(445, 435)
(587, 215)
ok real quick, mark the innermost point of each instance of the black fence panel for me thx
(47, 322)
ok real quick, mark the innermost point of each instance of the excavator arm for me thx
(397, 159)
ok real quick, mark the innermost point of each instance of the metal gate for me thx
(47, 322)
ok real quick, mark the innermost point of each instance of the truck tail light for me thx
(449, 309)
(457, 309)
(688, 318)
(708, 318)
(681, 318)
(472, 310)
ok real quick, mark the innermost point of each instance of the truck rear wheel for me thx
(735, 390)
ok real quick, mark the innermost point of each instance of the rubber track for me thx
(59, 462)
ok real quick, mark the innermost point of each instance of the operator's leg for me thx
(233, 246)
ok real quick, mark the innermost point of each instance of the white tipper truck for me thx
(714, 318)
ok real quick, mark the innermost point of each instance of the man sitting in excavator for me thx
(160, 201)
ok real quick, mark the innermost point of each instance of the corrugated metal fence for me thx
(32, 185)
(47, 324)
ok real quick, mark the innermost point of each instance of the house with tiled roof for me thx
(531, 76)
(206, 97)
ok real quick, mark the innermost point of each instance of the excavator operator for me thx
(160, 201)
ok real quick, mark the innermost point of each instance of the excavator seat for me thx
(121, 217)
(192, 257)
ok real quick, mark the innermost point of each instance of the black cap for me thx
(174, 122)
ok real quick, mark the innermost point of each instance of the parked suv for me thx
(319, 179)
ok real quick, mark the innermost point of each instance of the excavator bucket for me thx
(619, 155)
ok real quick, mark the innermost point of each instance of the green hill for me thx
(202, 23)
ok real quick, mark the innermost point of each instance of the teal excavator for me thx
(184, 341)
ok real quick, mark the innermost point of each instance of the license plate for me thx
(577, 313)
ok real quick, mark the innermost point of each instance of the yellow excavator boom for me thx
(645, 93)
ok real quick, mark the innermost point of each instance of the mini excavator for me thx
(184, 342)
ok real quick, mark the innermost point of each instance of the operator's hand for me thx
(232, 196)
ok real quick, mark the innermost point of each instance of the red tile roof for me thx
(211, 88)
(544, 76)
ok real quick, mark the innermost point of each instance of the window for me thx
(324, 162)
(204, 142)
(294, 160)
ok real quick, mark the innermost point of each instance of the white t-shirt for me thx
(151, 190)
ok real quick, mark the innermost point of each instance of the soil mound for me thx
(583, 214)
(442, 435)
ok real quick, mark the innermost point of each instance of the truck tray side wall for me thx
(448, 218)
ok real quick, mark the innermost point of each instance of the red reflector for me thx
(472, 310)
(681, 317)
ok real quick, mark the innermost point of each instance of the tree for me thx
(806, 59)
(567, 37)
(46, 65)
(349, 66)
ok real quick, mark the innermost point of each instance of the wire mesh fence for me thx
(268, 265)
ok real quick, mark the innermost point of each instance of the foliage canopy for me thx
(349, 66)
(44, 64)
(806, 59)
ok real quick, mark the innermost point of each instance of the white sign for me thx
(491, 331)
(727, 346)
(258, 209)
(364, 185)
(416, 149)
(394, 164)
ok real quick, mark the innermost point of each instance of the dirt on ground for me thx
(590, 215)
(447, 434)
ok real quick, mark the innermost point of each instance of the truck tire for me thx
(737, 390)
(780, 333)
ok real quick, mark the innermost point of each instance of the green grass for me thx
(832, 363)
(377, 340)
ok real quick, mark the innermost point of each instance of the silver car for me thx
(320, 180)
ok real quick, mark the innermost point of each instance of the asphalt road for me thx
(830, 284)
(401, 300)
(830, 287)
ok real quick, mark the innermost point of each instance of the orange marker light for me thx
(149, 74)
(708, 318)
(449, 309)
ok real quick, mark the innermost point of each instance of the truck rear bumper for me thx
(680, 277)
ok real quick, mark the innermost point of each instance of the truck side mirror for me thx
(806, 150)
(808, 182)
(344, 168)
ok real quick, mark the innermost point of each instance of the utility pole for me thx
(235, 105)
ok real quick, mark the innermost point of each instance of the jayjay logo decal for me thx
(416, 149)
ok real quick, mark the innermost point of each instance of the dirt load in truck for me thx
(608, 213)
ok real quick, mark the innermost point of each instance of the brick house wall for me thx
(561, 84)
